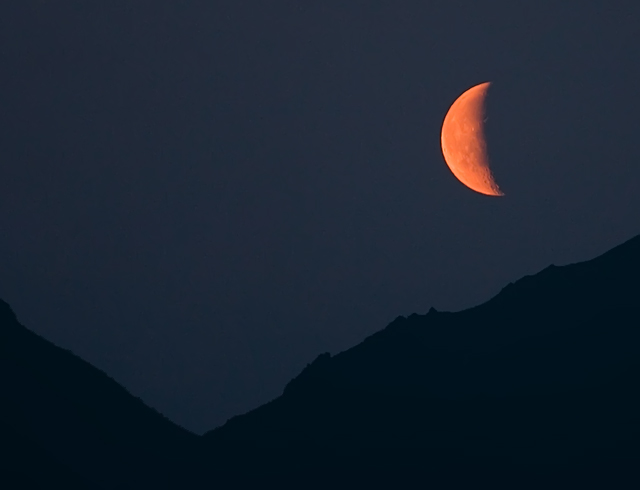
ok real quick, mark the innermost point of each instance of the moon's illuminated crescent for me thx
(463, 142)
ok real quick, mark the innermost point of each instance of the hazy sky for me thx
(199, 197)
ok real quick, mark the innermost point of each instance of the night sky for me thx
(200, 197)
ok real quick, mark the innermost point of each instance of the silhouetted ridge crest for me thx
(78, 413)
(312, 371)
(540, 378)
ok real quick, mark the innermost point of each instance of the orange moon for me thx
(463, 142)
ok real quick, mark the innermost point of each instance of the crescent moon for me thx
(463, 142)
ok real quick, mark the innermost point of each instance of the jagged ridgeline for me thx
(537, 386)
(540, 380)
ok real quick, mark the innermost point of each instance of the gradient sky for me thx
(200, 197)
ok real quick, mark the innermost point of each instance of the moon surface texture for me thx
(463, 142)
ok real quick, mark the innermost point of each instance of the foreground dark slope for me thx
(540, 382)
(66, 423)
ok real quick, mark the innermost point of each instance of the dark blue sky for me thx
(200, 197)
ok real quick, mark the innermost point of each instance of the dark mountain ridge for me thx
(536, 387)
(548, 308)
(540, 379)
(65, 411)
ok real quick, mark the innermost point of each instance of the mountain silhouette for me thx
(542, 380)
(66, 422)
(537, 387)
